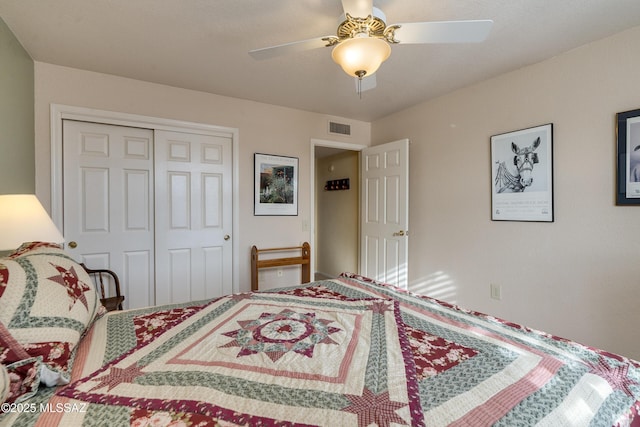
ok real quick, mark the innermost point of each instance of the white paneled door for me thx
(108, 203)
(193, 241)
(385, 213)
(152, 205)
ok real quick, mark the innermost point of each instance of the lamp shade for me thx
(361, 54)
(23, 219)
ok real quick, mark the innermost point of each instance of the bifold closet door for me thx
(108, 203)
(193, 216)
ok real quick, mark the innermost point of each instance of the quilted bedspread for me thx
(347, 352)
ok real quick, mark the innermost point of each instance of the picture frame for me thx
(628, 158)
(275, 185)
(522, 175)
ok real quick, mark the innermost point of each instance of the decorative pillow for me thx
(47, 302)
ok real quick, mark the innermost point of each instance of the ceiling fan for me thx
(363, 39)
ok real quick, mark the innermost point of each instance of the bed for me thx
(348, 351)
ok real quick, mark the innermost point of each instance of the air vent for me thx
(339, 128)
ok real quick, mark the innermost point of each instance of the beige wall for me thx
(337, 215)
(578, 277)
(17, 173)
(262, 128)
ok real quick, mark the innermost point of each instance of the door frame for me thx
(312, 190)
(61, 112)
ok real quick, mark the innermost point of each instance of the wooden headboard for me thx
(304, 259)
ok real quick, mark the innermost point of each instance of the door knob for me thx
(401, 233)
(73, 244)
(227, 237)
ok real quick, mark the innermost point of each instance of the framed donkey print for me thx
(522, 175)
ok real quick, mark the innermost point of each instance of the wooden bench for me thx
(304, 260)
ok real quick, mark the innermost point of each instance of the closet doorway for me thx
(336, 210)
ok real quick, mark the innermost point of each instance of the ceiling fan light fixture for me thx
(361, 55)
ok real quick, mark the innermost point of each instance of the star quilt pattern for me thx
(277, 359)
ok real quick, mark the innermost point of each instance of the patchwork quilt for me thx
(348, 351)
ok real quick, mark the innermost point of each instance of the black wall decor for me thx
(337, 184)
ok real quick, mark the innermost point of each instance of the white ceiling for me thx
(203, 44)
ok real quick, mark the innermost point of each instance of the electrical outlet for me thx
(496, 291)
(280, 273)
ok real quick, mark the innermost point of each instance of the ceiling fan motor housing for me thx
(371, 26)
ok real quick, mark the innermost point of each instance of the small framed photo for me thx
(522, 175)
(275, 185)
(628, 176)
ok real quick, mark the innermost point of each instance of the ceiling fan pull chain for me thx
(360, 74)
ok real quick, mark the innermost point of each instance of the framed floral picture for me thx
(275, 185)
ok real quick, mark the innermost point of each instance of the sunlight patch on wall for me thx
(437, 285)
(396, 276)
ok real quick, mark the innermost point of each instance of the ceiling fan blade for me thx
(358, 8)
(366, 83)
(444, 32)
(287, 48)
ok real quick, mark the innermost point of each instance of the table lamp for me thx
(23, 219)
